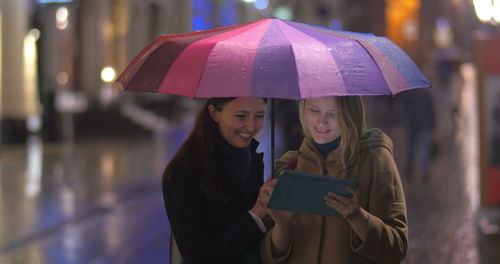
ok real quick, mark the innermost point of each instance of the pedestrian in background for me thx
(373, 227)
(417, 115)
(495, 137)
(211, 185)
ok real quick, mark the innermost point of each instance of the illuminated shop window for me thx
(202, 14)
(228, 12)
(53, 1)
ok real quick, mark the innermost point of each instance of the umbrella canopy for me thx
(272, 58)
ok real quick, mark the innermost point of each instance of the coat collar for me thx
(244, 188)
(253, 145)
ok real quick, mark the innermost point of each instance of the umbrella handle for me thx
(273, 110)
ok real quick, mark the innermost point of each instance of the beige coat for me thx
(325, 239)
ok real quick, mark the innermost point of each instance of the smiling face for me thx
(320, 119)
(239, 120)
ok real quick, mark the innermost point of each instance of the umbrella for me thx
(272, 58)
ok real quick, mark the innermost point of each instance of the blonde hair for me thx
(351, 119)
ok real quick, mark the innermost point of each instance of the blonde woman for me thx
(373, 227)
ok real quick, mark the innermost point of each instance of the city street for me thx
(99, 200)
(97, 96)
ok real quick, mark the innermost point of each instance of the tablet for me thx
(304, 192)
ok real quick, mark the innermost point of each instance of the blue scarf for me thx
(326, 148)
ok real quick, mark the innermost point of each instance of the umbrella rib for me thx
(294, 59)
(376, 63)
(333, 82)
(138, 61)
(242, 31)
(364, 45)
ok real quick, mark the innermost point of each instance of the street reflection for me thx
(68, 200)
(34, 166)
(107, 168)
(107, 172)
(66, 203)
(71, 243)
(470, 130)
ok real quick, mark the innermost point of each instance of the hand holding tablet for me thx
(304, 192)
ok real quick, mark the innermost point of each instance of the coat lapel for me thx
(248, 189)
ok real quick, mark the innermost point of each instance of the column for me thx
(19, 90)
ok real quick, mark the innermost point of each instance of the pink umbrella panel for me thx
(272, 58)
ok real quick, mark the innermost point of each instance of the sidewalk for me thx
(100, 201)
(444, 213)
(92, 202)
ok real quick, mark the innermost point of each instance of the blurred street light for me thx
(33, 123)
(261, 4)
(107, 93)
(53, 1)
(108, 74)
(443, 33)
(488, 11)
(496, 11)
(30, 40)
(283, 12)
(410, 30)
(62, 78)
(62, 15)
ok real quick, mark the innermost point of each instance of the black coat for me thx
(211, 230)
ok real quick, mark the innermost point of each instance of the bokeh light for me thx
(108, 74)
(62, 15)
(283, 12)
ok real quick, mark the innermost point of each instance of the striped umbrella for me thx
(272, 58)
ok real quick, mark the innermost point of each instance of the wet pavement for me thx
(99, 200)
(92, 202)
(444, 210)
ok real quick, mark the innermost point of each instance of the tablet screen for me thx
(304, 192)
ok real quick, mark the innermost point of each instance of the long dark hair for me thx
(199, 149)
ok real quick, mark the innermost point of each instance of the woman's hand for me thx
(350, 210)
(280, 239)
(281, 218)
(259, 207)
(347, 207)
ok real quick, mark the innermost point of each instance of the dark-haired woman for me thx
(211, 186)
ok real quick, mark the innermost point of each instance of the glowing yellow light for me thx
(108, 167)
(62, 15)
(399, 17)
(35, 32)
(30, 73)
(62, 78)
(496, 11)
(484, 9)
(108, 74)
(30, 48)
